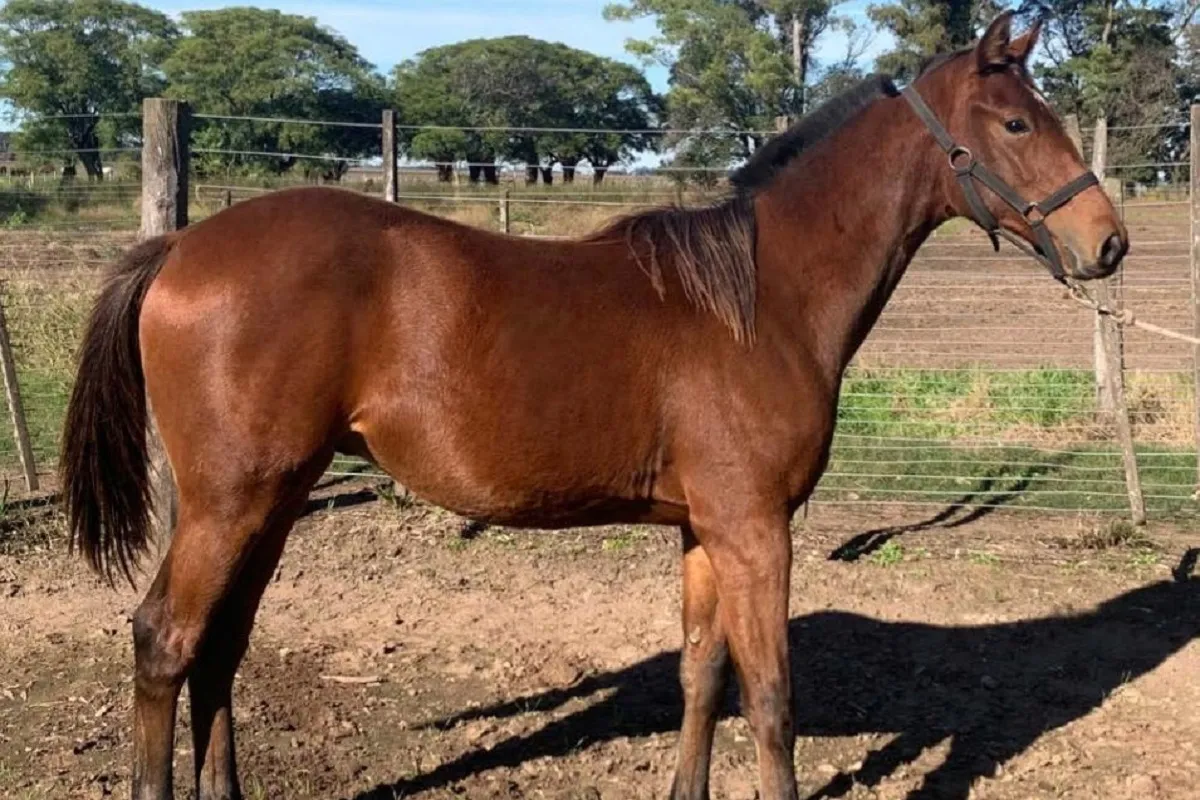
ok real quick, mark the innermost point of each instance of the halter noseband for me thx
(967, 170)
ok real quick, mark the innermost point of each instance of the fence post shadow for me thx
(985, 499)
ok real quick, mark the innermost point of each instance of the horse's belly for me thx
(540, 472)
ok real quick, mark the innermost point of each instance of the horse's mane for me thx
(711, 248)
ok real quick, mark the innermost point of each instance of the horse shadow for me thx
(990, 690)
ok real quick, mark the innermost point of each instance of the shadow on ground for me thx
(993, 492)
(990, 690)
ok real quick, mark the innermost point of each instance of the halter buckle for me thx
(1033, 214)
(957, 154)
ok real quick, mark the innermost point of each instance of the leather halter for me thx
(967, 171)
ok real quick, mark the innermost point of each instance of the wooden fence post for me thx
(391, 185)
(166, 158)
(165, 161)
(390, 156)
(505, 225)
(1109, 344)
(12, 390)
(1194, 194)
(1074, 132)
(1102, 366)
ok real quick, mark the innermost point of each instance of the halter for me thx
(967, 170)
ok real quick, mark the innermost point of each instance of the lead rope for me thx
(1124, 317)
(1076, 292)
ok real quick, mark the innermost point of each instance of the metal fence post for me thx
(166, 135)
(505, 225)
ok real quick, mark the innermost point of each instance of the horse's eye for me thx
(1016, 125)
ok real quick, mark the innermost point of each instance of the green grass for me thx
(943, 404)
(983, 559)
(112, 203)
(1088, 477)
(889, 554)
(1020, 438)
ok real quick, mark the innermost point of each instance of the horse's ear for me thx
(993, 49)
(1021, 48)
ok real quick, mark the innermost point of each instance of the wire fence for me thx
(977, 387)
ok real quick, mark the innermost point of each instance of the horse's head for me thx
(998, 126)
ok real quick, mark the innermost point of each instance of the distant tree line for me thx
(67, 63)
(735, 68)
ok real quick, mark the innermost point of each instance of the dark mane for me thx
(712, 248)
(773, 156)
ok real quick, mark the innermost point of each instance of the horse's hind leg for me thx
(210, 577)
(210, 683)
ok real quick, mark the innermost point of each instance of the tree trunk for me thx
(474, 173)
(491, 175)
(445, 173)
(85, 141)
(800, 61)
(93, 165)
(548, 175)
(569, 171)
(598, 175)
(531, 174)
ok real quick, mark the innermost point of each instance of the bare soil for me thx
(987, 656)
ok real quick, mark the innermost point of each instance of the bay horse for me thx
(679, 367)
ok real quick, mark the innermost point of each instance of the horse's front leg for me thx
(751, 559)
(703, 670)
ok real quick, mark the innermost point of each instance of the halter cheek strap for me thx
(968, 172)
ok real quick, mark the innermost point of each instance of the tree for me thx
(1117, 60)
(514, 88)
(75, 60)
(800, 24)
(263, 63)
(843, 74)
(734, 67)
(923, 28)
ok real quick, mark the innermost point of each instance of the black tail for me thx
(104, 469)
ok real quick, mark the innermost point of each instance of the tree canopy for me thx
(517, 82)
(73, 59)
(922, 28)
(735, 66)
(264, 63)
(1117, 60)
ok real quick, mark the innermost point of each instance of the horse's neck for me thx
(837, 231)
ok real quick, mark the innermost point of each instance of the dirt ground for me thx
(395, 657)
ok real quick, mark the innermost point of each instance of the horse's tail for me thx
(104, 468)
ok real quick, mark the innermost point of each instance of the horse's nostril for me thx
(1112, 251)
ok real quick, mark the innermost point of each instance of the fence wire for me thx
(976, 388)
